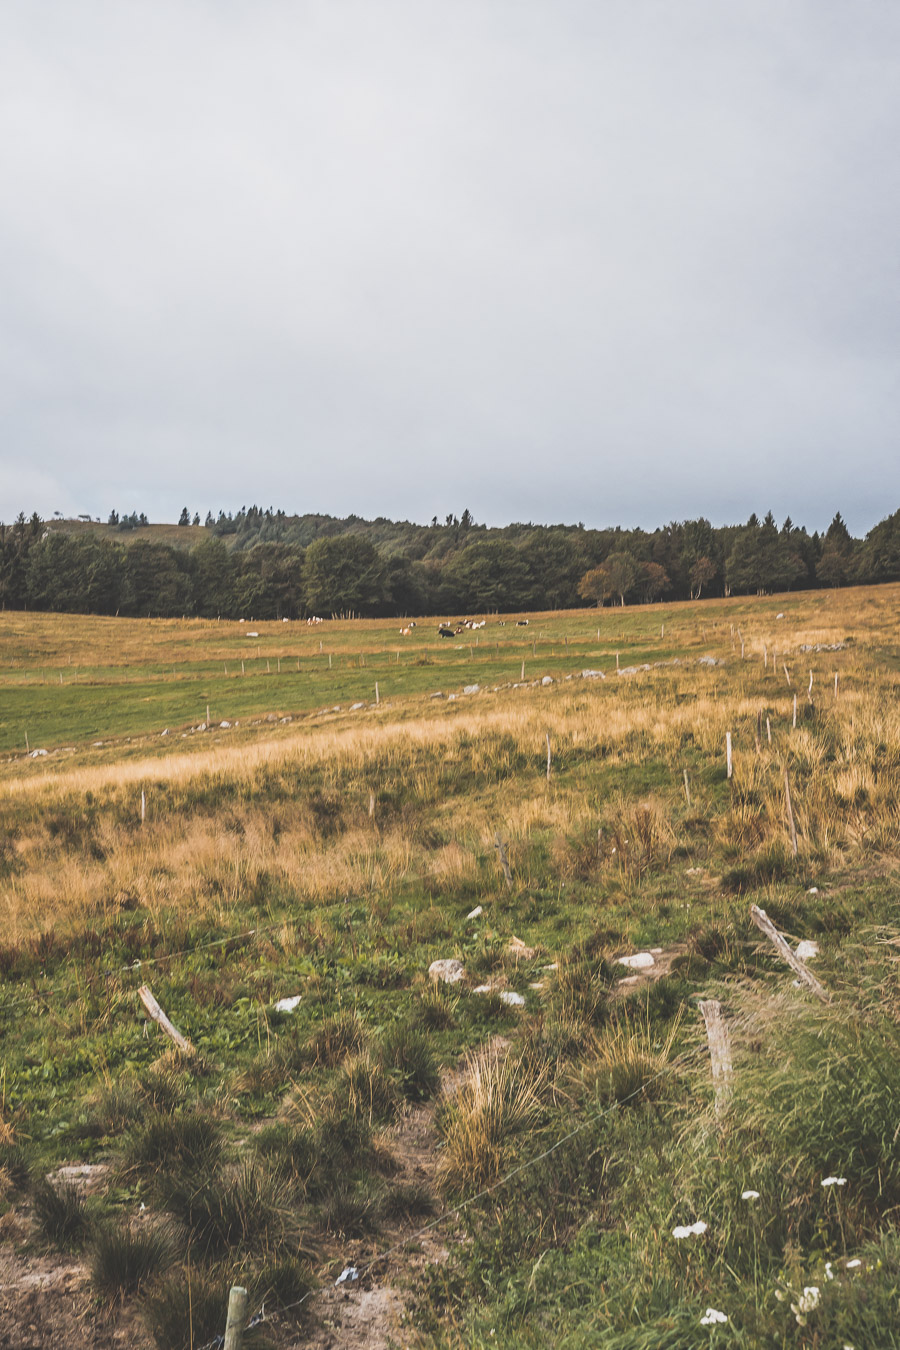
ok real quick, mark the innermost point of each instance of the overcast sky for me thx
(618, 261)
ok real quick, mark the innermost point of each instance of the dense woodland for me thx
(265, 564)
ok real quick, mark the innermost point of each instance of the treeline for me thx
(264, 564)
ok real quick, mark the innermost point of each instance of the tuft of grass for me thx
(170, 1144)
(405, 1053)
(340, 1035)
(62, 1213)
(498, 1100)
(628, 1060)
(124, 1259)
(249, 1208)
(369, 1090)
(435, 1008)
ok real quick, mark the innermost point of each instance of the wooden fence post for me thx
(504, 861)
(687, 789)
(237, 1317)
(719, 1050)
(787, 673)
(795, 711)
(548, 756)
(728, 763)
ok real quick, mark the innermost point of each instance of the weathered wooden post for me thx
(371, 805)
(806, 977)
(769, 730)
(787, 673)
(809, 690)
(522, 676)
(835, 683)
(504, 861)
(377, 695)
(687, 789)
(237, 1317)
(548, 756)
(617, 663)
(143, 806)
(719, 1051)
(795, 711)
(156, 1012)
(728, 763)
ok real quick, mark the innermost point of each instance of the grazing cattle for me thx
(405, 632)
(521, 623)
(444, 631)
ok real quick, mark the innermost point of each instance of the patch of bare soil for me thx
(45, 1301)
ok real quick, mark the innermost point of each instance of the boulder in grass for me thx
(511, 998)
(287, 1005)
(520, 950)
(449, 970)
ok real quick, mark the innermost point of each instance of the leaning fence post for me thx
(719, 1050)
(728, 764)
(237, 1316)
(765, 925)
(687, 789)
(548, 756)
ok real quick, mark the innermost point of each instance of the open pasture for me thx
(331, 858)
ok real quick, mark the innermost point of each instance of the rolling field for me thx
(534, 1153)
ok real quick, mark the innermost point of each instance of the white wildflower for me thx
(712, 1315)
(835, 1181)
(749, 1195)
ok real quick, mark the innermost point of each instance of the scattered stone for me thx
(807, 950)
(287, 1004)
(511, 998)
(476, 912)
(520, 950)
(548, 679)
(592, 675)
(779, 616)
(162, 733)
(224, 725)
(813, 890)
(554, 965)
(448, 970)
(536, 984)
(37, 754)
(629, 979)
(251, 635)
(451, 698)
(471, 688)
(355, 707)
(708, 661)
(437, 695)
(639, 961)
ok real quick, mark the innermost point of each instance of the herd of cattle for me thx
(446, 631)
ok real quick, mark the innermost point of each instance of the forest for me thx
(265, 564)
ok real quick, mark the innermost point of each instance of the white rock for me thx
(510, 997)
(287, 1004)
(164, 733)
(449, 970)
(640, 961)
(548, 679)
(224, 724)
(355, 707)
(807, 949)
(437, 695)
(471, 688)
(813, 890)
(779, 616)
(251, 635)
(37, 754)
(476, 912)
(592, 675)
(483, 989)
